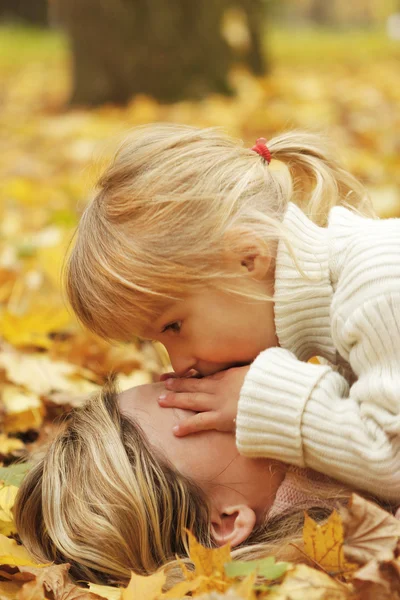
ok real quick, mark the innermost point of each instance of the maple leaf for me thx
(8, 445)
(13, 554)
(53, 581)
(8, 494)
(305, 583)
(378, 580)
(370, 531)
(106, 591)
(324, 543)
(208, 561)
(33, 328)
(144, 587)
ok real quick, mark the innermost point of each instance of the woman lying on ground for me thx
(116, 490)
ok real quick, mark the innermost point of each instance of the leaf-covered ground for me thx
(347, 85)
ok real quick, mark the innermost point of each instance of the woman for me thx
(116, 490)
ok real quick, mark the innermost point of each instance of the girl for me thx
(115, 490)
(227, 260)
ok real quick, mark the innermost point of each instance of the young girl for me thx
(230, 261)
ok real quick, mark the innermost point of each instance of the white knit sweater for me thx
(345, 426)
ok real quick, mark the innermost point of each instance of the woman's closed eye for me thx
(175, 327)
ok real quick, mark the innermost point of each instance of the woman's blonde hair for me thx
(167, 207)
(105, 501)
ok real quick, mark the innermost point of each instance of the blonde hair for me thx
(104, 500)
(166, 206)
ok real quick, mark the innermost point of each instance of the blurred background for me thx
(76, 73)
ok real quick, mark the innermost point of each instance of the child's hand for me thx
(214, 398)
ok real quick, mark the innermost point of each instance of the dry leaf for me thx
(304, 583)
(33, 328)
(183, 588)
(378, 580)
(53, 582)
(8, 494)
(324, 543)
(9, 590)
(208, 561)
(106, 591)
(12, 553)
(144, 587)
(23, 409)
(370, 531)
(38, 373)
(9, 445)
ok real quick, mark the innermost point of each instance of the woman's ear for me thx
(245, 253)
(234, 525)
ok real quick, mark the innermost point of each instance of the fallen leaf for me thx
(106, 591)
(14, 474)
(378, 580)
(42, 375)
(144, 587)
(370, 532)
(53, 582)
(183, 588)
(13, 554)
(34, 327)
(9, 590)
(266, 567)
(305, 583)
(208, 561)
(8, 494)
(8, 445)
(324, 543)
(23, 409)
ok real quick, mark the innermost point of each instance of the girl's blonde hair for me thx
(169, 204)
(105, 501)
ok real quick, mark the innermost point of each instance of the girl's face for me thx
(211, 330)
(210, 458)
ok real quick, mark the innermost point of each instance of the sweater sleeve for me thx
(307, 415)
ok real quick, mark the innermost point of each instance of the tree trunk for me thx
(169, 49)
(33, 12)
(322, 12)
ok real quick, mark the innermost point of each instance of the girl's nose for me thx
(182, 364)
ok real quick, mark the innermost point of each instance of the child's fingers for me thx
(201, 422)
(173, 375)
(196, 401)
(166, 376)
(190, 384)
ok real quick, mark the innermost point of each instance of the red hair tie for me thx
(262, 150)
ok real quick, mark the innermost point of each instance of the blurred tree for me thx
(171, 50)
(28, 11)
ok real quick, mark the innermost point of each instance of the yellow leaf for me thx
(8, 494)
(304, 583)
(144, 587)
(8, 444)
(245, 589)
(13, 554)
(208, 561)
(324, 543)
(182, 588)
(106, 591)
(23, 409)
(42, 375)
(33, 328)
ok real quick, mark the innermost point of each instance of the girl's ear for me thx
(246, 254)
(234, 525)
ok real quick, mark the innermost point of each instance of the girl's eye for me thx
(175, 327)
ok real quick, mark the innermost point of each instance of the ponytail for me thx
(319, 181)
